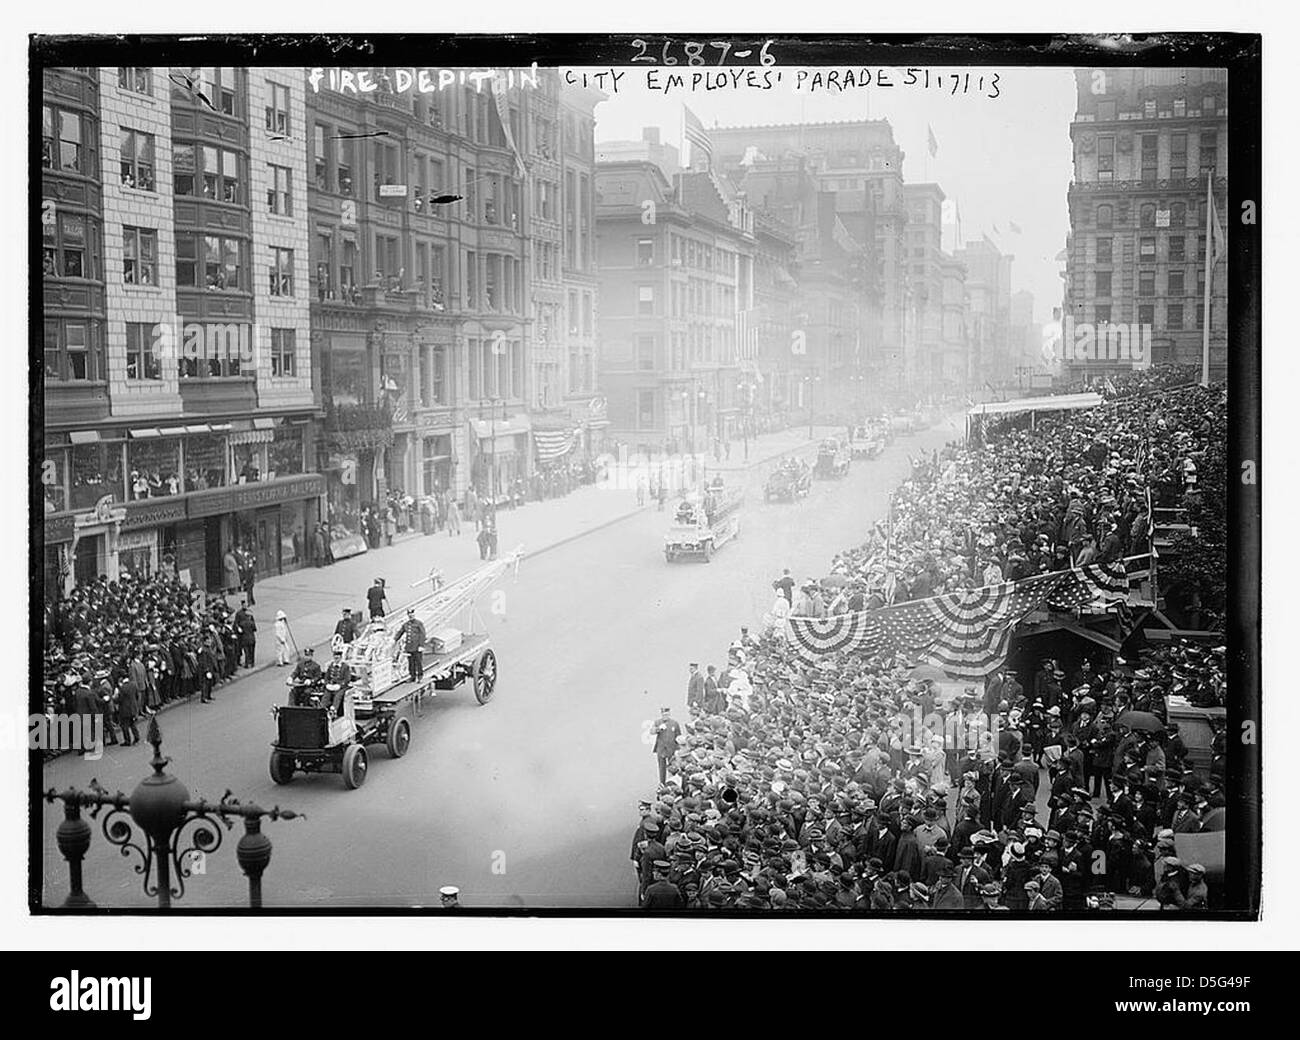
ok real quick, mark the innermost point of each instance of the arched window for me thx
(1147, 215)
(1105, 216)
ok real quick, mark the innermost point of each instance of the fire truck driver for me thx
(338, 673)
(308, 673)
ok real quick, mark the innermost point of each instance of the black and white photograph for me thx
(680, 475)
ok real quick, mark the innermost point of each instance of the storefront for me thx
(501, 449)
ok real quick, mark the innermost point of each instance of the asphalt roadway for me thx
(527, 801)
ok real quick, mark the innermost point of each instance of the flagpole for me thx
(1209, 277)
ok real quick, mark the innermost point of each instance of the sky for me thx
(1003, 159)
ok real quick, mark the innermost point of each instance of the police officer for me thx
(413, 636)
(308, 674)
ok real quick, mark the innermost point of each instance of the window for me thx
(324, 265)
(645, 409)
(187, 265)
(490, 198)
(218, 177)
(1180, 106)
(471, 280)
(1177, 283)
(1103, 283)
(281, 271)
(1146, 314)
(1174, 316)
(139, 256)
(1105, 216)
(137, 159)
(491, 279)
(1147, 215)
(1149, 152)
(283, 353)
(70, 247)
(320, 157)
(348, 267)
(284, 453)
(277, 112)
(1106, 111)
(279, 190)
(385, 167)
(1177, 248)
(1147, 248)
(142, 360)
(645, 299)
(72, 350)
(645, 252)
(63, 138)
(1106, 158)
(1101, 313)
(218, 85)
(439, 376)
(343, 164)
(222, 261)
(1105, 250)
(475, 369)
(586, 314)
(573, 313)
(1149, 108)
(1178, 157)
(1209, 152)
(471, 194)
(138, 81)
(1209, 105)
(1146, 283)
(1178, 214)
(387, 266)
(645, 353)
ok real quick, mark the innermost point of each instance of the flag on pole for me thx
(931, 142)
(1218, 239)
(696, 134)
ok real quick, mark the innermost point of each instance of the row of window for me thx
(1176, 283)
(702, 297)
(1177, 316)
(495, 369)
(79, 475)
(74, 352)
(691, 253)
(1175, 248)
(1148, 155)
(1151, 215)
(1107, 107)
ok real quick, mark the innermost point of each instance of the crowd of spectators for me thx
(860, 784)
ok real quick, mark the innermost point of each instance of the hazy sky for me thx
(1003, 159)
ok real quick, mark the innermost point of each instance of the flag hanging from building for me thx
(553, 444)
(1218, 244)
(930, 140)
(695, 133)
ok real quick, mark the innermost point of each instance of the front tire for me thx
(281, 767)
(708, 552)
(356, 764)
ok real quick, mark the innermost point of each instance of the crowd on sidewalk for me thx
(858, 785)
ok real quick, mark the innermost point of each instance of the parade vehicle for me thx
(704, 522)
(903, 422)
(869, 439)
(832, 458)
(381, 703)
(790, 481)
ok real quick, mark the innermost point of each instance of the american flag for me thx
(696, 134)
(966, 633)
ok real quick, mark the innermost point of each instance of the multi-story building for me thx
(861, 164)
(422, 294)
(672, 290)
(177, 372)
(955, 346)
(926, 258)
(1148, 146)
(988, 305)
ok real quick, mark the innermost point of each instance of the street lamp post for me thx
(171, 828)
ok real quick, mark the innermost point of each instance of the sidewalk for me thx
(313, 598)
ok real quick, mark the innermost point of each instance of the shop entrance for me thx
(86, 560)
(212, 552)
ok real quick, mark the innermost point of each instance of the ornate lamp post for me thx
(173, 826)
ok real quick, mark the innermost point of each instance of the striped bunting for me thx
(553, 444)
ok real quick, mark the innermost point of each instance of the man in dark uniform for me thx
(337, 674)
(695, 688)
(377, 599)
(246, 629)
(346, 628)
(307, 671)
(413, 636)
(128, 710)
(662, 894)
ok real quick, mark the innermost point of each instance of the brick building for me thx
(177, 379)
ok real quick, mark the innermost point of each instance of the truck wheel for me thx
(399, 736)
(484, 676)
(708, 551)
(281, 767)
(668, 556)
(355, 763)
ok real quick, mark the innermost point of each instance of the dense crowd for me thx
(859, 785)
(122, 649)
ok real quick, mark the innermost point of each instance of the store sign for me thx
(251, 496)
(58, 530)
(103, 514)
(1162, 218)
(154, 514)
(392, 191)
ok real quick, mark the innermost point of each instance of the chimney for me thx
(650, 134)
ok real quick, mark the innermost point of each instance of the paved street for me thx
(530, 800)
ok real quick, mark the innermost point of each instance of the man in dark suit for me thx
(413, 636)
(128, 710)
(695, 688)
(246, 629)
(970, 878)
(666, 731)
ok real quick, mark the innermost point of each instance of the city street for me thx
(530, 800)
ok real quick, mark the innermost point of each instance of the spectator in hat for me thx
(1049, 885)
(666, 731)
(1037, 902)
(662, 894)
(1198, 894)
(377, 599)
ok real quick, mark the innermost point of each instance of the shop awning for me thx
(263, 423)
(172, 431)
(1054, 403)
(84, 436)
(151, 431)
(252, 437)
